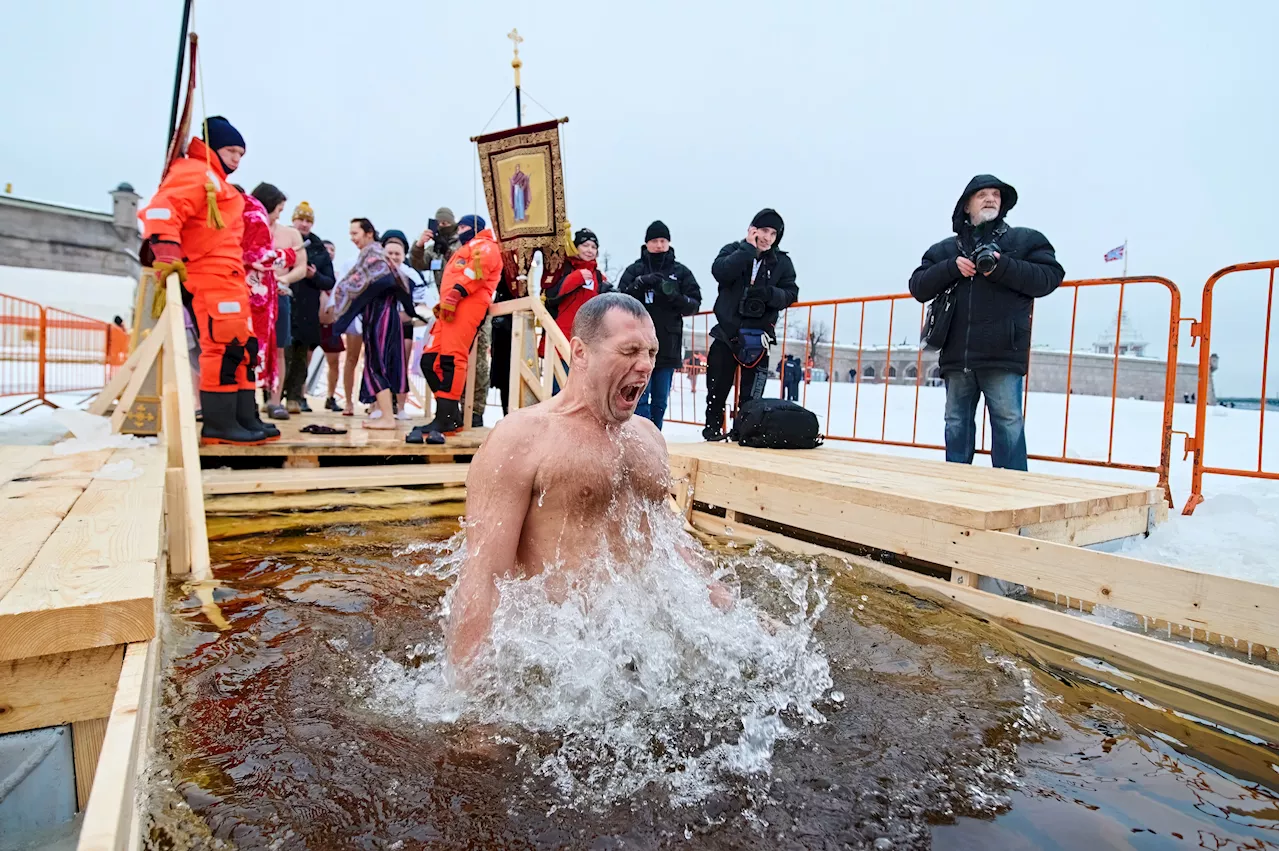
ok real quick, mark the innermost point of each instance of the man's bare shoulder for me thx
(644, 429)
(516, 433)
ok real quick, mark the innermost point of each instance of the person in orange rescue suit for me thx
(466, 291)
(194, 226)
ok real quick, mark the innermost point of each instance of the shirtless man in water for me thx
(564, 481)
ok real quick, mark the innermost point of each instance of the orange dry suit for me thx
(214, 260)
(466, 291)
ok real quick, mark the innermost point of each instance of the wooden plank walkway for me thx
(81, 562)
(294, 444)
(970, 520)
(218, 482)
(971, 496)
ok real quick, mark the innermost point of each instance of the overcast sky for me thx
(1155, 122)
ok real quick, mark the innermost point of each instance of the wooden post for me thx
(180, 429)
(523, 392)
(86, 746)
(469, 393)
(147, 354)
(142, 416)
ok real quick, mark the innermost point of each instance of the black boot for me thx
(247, 416)
(448, 418)
(221, 425)
(477, 420)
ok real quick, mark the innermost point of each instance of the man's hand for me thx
(722, 597)
(449, 302)
(993, 268)
(753, 237)
(285, 258)
(311, 271)
(168, 259)
(426, 236)
(966, 267)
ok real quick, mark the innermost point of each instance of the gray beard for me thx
(983, 216)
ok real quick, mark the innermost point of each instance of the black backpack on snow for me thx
(776, 424)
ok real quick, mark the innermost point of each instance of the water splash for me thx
(626, 673)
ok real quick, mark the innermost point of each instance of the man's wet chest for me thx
(591, 476)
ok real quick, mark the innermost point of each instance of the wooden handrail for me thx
(182, 481)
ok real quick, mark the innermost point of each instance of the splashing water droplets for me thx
(626, 674)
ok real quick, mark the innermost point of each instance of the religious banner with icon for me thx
(524, 189)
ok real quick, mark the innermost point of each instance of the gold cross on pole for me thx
(516, 39)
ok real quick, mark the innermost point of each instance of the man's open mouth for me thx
(631, 392)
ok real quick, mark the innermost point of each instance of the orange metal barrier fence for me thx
(45, 350)
(880, 362)
(1202, 332)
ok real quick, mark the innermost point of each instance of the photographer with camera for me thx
(668, 290)
(756, 281)
(982, 282)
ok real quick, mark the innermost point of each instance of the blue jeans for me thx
(1003, 392)
(653, 401)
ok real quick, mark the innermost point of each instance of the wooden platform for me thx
(1056, 508)
(305, 450)
(77, 585)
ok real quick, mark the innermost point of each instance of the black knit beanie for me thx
(657, 230)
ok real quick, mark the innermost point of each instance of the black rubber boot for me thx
(477, 420)
(448, 419)
(221, 424)
(247, 416)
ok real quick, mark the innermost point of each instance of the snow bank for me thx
(93, 433)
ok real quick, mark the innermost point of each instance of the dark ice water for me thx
(944, 738)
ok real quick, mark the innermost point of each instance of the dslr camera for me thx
(984, 257)
(752, 306)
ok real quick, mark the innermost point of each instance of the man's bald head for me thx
(589, 324)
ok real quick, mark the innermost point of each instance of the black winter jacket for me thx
(991, 325)
(644, 280)
(306, 292)
(775, 285)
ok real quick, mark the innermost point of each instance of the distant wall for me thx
(37, 235)
(1090, 373)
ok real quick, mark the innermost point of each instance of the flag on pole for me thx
(1116, 253)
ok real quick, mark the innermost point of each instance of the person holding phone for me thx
(756, 280)
(431, 253)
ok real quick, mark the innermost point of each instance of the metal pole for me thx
(519, 123)
(177, 72)
(1125, 273)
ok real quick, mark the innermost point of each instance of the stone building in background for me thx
(40, 235)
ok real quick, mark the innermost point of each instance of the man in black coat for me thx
(756, 281)
(667, 290)
(792, 372)
(996, 271)
(306, 307)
